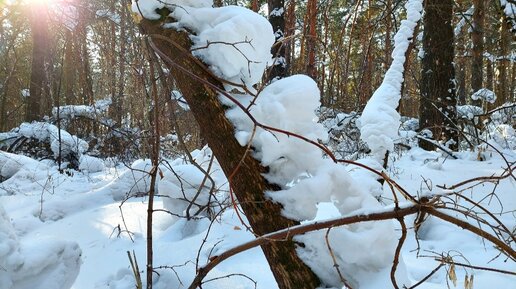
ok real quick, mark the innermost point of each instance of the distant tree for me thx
(437, 109)
(503, 62)
(477, 39)
(277, 20)
(39, 82)
(311, 39)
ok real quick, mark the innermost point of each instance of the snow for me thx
(91, 164)
(103, 210)
(132, 182)
(277, 12)
(484, 94)
(10, 164)
(25, 93)
(468, 111)
(38, 263)
(509, 8)
(147, 8)
(61, 143)
(108, 14)
(465, 18)
(175, 94)
(380, 121)
(91, 218)
(89, 111)
(235, 42)
(287, 104)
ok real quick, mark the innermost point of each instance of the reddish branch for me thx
(289, 233)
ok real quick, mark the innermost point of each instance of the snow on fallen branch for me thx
(382, 214)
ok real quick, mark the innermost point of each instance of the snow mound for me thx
(38, 264)
(10, 164)
(134, 181)
(181, 186)
(88, 111)
(91, 164)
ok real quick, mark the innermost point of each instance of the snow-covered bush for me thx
(343, 133)
(181, 184)
(193, 190)
(45, 140)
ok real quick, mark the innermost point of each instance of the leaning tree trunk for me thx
(247, 183)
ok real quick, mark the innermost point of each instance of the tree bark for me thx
(477, 39)
(502, 64)
(247, 183)
(290, 30)
(437, 108)
(311, 40)
(277, 20)
(39, 85)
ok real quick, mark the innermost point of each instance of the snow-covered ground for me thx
(46, 208)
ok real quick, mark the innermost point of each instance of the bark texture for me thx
(477, 38)
(437, 110)
(39, 83)
(277, 20)
(248, 183)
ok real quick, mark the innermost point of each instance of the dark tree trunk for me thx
(290, 29)
(39, 84)
(477, 38)
(388, 29)
(437, 110)
(69, 69)
(277, 20)
(311, 39)
(115, 110)
(84, 56)
(502, 64)
(248, 183)
(255, 7)
(461, 70)
(121, 60)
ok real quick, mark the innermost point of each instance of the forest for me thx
(250, 144)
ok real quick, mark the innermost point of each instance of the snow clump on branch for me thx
(233, 41)
(484, 94)
(380, 121)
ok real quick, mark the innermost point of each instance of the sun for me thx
(41, 2)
